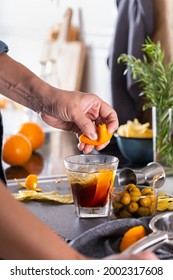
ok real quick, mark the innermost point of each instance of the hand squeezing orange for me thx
(103, 136)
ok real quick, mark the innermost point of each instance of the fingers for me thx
(101, 147)
(140, 256)
(85, 125)
(96, 112)
(86, 149)
(110, 115)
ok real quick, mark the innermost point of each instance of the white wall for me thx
(24, 26)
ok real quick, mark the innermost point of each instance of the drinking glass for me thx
(91, 178)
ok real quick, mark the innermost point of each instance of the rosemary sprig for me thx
(156, 81)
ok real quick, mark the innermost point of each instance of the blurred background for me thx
(25, 26)
(107, 27)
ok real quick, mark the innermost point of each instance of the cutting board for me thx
(67, 58)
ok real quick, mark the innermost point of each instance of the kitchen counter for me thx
(61, 217)
(48, 164)
(49, 159)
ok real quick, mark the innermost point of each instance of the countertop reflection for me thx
(49, 159)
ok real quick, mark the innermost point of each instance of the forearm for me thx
(23, 236)
(20, 84)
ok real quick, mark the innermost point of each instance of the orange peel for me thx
(31, 183)
(103, 136)
(131, 236)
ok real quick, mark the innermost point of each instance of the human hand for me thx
(68, 110)
(139, 256)
(80, 113)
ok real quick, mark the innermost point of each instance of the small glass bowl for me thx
(134, 201)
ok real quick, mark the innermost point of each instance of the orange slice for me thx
(31, 183)
(131, 236)
(103, 136)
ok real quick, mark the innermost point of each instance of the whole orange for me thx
(16, 150)
(34, 132)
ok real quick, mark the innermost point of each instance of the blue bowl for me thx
(138, 150)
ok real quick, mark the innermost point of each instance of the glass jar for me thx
(162, 124)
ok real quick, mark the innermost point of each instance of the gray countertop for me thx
(48, 165)
(60, 217)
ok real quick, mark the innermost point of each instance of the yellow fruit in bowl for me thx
(134, 129)
(122, 130)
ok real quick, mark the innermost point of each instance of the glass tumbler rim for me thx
(72, 162)
(67, 159)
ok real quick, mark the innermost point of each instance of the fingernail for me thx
(111, 130)
(80, 146)
(93, 136)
